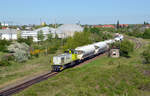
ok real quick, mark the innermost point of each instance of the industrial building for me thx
(63, 31)
(67, 30)
(8, 34)
(34, 33)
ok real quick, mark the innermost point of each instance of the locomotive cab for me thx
(63, 61)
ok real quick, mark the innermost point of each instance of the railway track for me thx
(17, 88)
(22, 86)
(137, 42)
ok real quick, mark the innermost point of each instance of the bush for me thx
(5, 60)
(52, 50)
(126, 47)
(28, 41)
(3, 45)
(4, 63)
(20, 51)
(146, 34)
(146, 55)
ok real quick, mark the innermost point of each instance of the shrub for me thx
(3, 45)
(126, 47)
(5, 60)
(146, 55)
(146, 34)
(20, 51)
(52, 50)
(28, 41)
(4, 63)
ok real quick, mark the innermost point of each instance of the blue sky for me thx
(71, 11)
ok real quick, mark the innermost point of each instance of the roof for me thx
(98, 26)
(104, 26)
(70, 28)
(109, 26)
(8, 31)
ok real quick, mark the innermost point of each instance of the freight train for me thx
(80, 54)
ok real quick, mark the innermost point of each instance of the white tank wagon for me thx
(117, 39)
(109, 41)
(85, 51)
(100, 47)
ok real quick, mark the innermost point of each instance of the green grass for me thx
(102, 77)
(18, 71)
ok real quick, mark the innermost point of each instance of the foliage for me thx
(40, 35)
(146, 55)
(94, 30)
(146, 34)
(79, 39)
(118, 26)
(5, 60)
(35, 52)
(137, 32)
(28, 41)
(88, 36)
(49, 37)
(56, 36)
(20, 51)
(3, 45)
(18, 34)
(126, 47)
(52, 50)
(4, 63)
(0, 25)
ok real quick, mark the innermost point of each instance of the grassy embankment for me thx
(17, 72)
(102, 77)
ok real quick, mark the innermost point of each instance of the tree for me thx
(40, 35)
(79, 39)
(126, 47)
(94, 30)
(49, 37)
(56, 36)
(118, 26)
(18, 34)
(20, 51)
(146, 55)
(0, 25)
(145, 23)
(28, 41)
(146, 34)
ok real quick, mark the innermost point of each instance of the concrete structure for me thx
(114, 53)
(8, 34)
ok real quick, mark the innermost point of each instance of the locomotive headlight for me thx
(80, 56)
